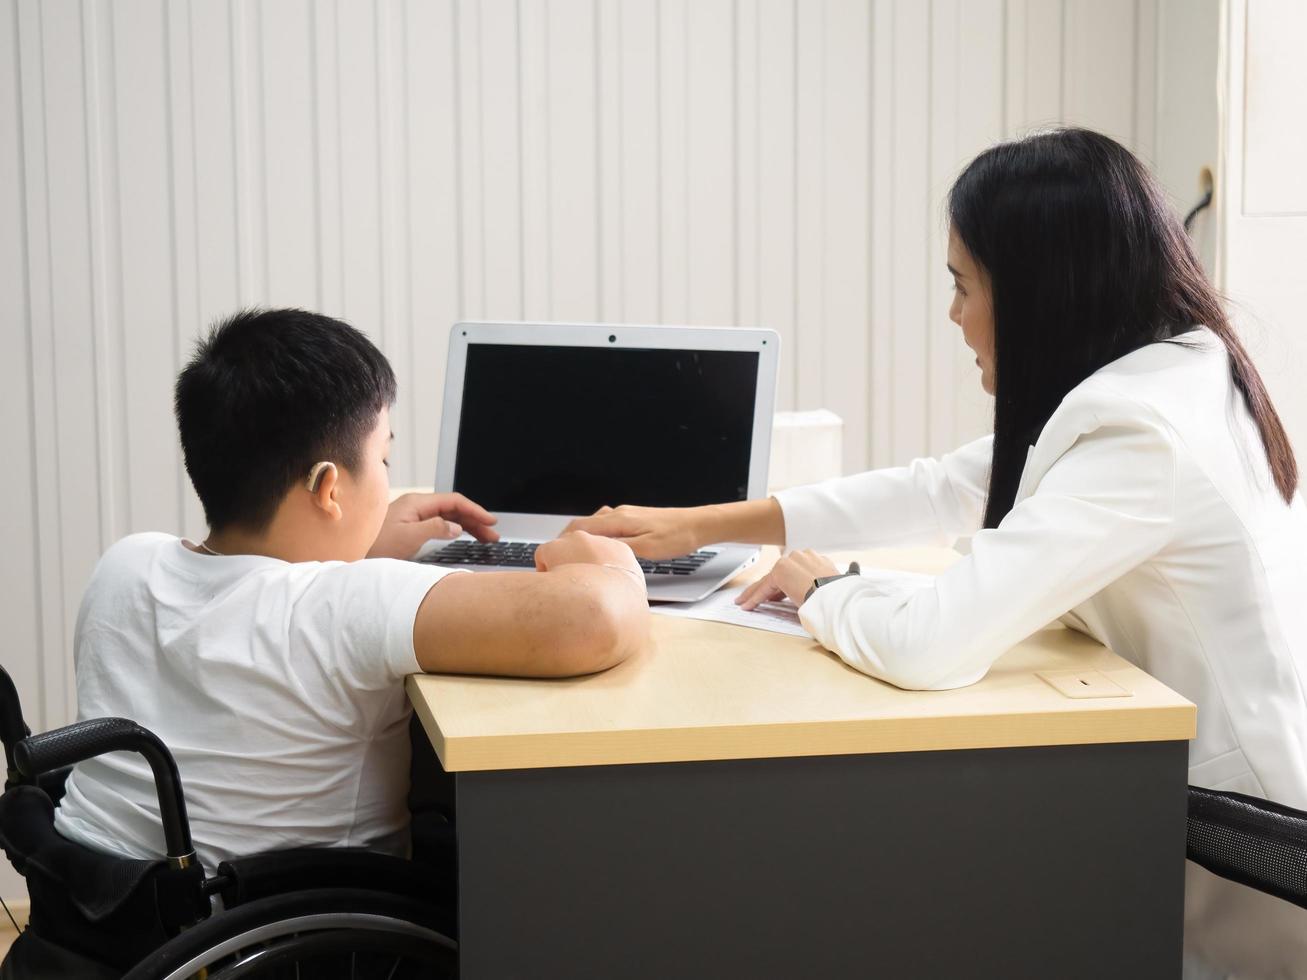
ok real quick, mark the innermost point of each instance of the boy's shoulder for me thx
(135, 550)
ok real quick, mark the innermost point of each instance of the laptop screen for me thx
(566, 430)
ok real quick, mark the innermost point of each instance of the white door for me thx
(1262, 260)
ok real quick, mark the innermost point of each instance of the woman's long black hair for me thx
(1086, 263)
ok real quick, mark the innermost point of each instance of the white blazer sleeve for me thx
(928, 502)
(1101, 509)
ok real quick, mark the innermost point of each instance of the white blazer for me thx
(1146, 516)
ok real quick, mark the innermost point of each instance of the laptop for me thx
(545, 422)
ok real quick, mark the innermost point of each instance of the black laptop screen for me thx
(565, 430)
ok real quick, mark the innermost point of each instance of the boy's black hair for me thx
(268, 394)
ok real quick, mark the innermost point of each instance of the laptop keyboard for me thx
(521, 554)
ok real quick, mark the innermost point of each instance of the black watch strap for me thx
(817, 583)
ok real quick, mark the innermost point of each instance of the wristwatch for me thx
(817, 583)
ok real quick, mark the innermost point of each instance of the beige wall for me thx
(1263, 196)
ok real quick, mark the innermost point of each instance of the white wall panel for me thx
(673, 162)
(809, 206)
(967, 68)
(637, 243)
(1034, 55)
(843, 352)
(774, 200)
(1100, 73)
(1262, 236)
(21, 580)
(711, 192)
(144, 247)
(433, 226)
(501, 159)
(404, 164)
(573, 160)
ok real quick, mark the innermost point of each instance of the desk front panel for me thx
(1061, 862)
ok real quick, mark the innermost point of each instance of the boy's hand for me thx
(578, 547)
(415, 518)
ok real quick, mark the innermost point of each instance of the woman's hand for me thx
(651, 532)
(415, 518)
(791, 576)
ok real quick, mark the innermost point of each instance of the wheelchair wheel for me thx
(328, 933)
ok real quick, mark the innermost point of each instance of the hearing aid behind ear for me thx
(315, 475)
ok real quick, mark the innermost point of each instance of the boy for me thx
(270, 657)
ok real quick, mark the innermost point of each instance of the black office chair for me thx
(1255, 842)
(320, 912)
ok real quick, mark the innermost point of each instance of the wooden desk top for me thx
(711, 691)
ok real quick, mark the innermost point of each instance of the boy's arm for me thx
(579, 614)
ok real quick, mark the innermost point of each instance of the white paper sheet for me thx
(720, 607)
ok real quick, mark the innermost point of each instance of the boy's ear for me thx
(322, 485)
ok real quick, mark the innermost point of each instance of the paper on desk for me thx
(720, 607)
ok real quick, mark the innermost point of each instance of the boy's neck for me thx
(278, 540)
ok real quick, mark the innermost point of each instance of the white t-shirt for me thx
(278, 687)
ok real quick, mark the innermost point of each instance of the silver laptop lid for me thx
(562, 418)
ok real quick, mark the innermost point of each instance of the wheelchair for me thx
(304, 912)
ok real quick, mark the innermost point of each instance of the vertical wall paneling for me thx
(285, 39)
(247, 143)
(68, 353)
(103, 237)
(1100, 71)
(185, 307)
(913, 227)
(533, 100)
(881, 279)
(1186, 107)
(328, 149)
(745, 190)
(471, 191)
(846, 240)
(573, 160)
(966, 116)
(433, 228)
(216, 162)
(1262, 208)
(810, 206)
(20, 578)
(711, 160)
(22, 585)
(501, 152)
(775, 200)
(396, 256)
(145, 248)
(638, 237)
(406, 163)
(673, 162)
(945, 114)
(608, 126)
(980, 122)
(360, 172)
(47, 701)
(1036, 46)
(1143, 139)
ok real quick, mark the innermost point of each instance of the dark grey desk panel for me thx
(1032, 862)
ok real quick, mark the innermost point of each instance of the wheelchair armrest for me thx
(84, 740)
(1255, 842)
(296, 869)
(12, 727)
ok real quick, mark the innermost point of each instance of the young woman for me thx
(1138, 485)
